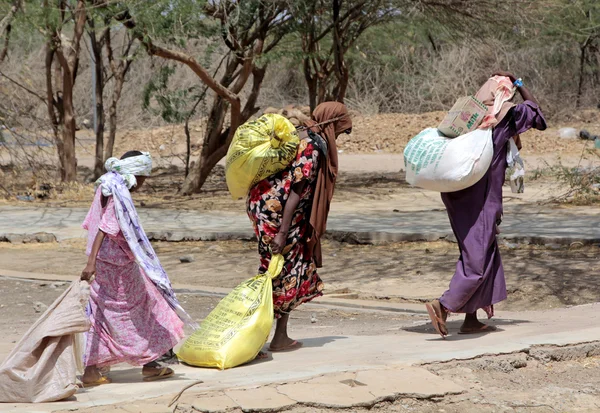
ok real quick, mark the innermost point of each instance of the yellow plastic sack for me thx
(239, 326)
(260, 148)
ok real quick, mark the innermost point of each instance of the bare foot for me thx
(282, 343)
(473, 326)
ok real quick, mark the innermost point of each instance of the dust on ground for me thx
(24, 301)
(537, 277)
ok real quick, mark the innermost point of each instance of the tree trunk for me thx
(4, 52)
(119, 71)
(582, 59)
(311, 83)
(216, 142)
(112, 115)
(99, 108)
(69, 160)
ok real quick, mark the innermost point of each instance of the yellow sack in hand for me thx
(260, 148)
(239, 326)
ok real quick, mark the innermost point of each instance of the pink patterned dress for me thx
(131, 321)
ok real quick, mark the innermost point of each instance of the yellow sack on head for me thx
(239, 326)
(260, 148)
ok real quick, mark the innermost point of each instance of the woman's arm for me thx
(278, 243)
(527, 95)
(90, 268)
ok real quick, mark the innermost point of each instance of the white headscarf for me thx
(128, 168)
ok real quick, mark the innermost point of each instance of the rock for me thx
(39, 307)
(13, 238)
(44, 237)
(305, 110)
(567, 133)
(271, 109)
(585, 135)
(186, 259)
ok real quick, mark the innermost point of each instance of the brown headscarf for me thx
(328, 120)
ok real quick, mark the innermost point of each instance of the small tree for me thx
(119, 68)
(576, 21)
(328, 29)
(6, 26)
(249, 29)
(115, 68)
(96, 43)
(62, 63)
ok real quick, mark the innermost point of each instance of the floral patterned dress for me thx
(298, 281)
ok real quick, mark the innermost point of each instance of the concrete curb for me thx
(350, 237)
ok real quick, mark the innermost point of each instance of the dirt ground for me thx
(537, 277)
(544, 380)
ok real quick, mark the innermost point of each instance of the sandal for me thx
(164, 373)
(437, 319)
(102, 380)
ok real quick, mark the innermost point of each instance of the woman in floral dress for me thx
(289, 213)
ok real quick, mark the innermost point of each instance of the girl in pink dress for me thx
(134, 314)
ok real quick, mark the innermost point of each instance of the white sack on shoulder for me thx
(441, 164)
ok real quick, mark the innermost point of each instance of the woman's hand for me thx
(88, 271)
(506, 74)
(278, 243)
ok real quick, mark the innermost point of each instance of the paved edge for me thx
(350, 237)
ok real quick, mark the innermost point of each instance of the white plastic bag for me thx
(441, 164)
(516, 168)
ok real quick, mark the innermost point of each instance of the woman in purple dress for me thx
(475, 213)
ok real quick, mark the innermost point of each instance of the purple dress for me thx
(474, 215)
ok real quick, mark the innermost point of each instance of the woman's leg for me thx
(473, 325)
(281, 340)
(91, 375)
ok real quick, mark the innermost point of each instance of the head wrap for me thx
(328, 120)
(128, 168)
(496, 94)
